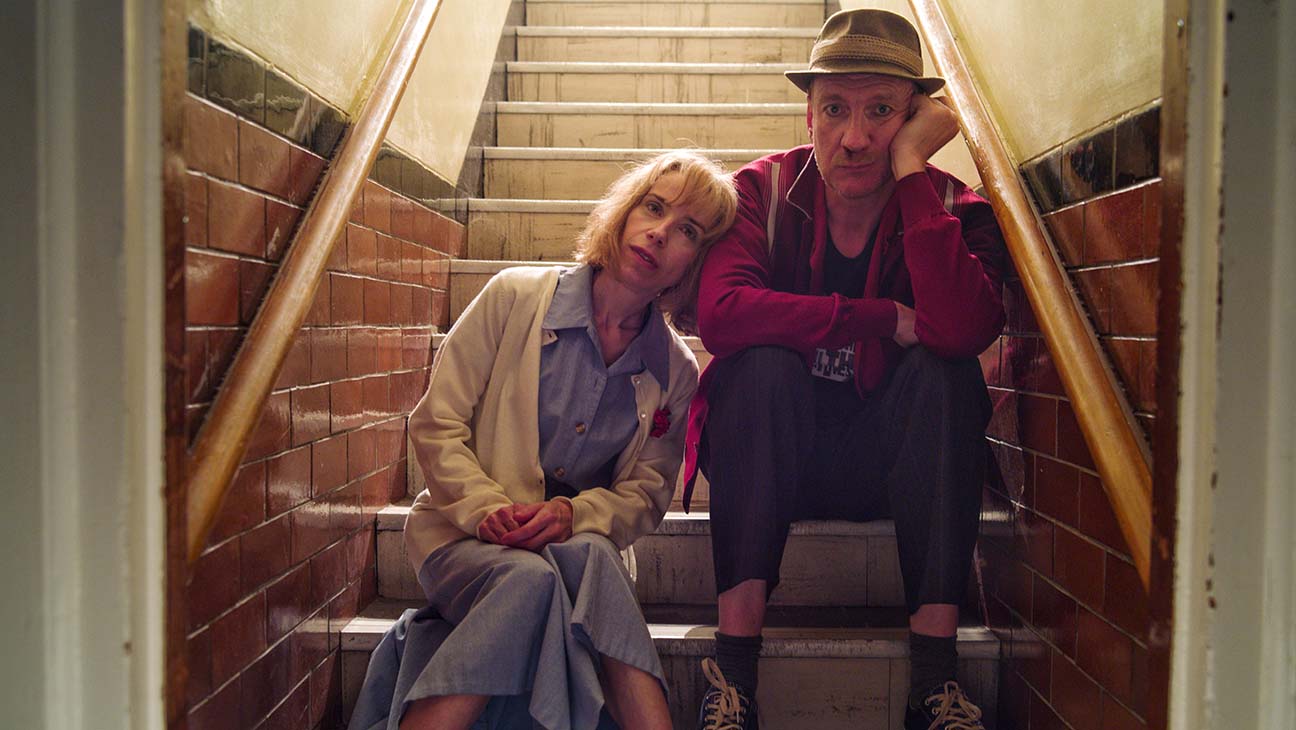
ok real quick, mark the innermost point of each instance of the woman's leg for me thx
(634, 697)
(452, 712)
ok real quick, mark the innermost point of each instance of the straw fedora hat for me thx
(866, 42)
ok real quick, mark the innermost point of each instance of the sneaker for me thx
(945, 708)
(725, 706)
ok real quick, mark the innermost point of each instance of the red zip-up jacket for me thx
(938, 250)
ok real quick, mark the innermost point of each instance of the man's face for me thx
(852, 119)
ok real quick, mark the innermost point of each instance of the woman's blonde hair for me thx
(707, 189)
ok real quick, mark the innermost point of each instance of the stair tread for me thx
(650, 67)
(664, 31)
(661, 107)
(364, 631)
(608, 153)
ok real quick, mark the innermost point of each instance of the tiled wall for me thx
(1060, 585)
(292, 554)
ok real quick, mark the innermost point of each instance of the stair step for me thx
(582, 81)
(822, 678)
(690, 13)
(672, 45)
(612, 124)
(571, 173)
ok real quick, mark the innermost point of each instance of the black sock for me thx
(931, 664)
(737, 657)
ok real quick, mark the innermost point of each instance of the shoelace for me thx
(955, 710)
(724, 710)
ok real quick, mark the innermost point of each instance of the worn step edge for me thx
(656, 109)
(646, 67)
(528, 205)
(662, 31)
(363, 633)
(672, 2)
(606, 153)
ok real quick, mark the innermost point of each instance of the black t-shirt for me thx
(834, 370)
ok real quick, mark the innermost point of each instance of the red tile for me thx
(1105, 654)
(198, 385)
(238, 637)
(219, 712)
(236, 220)
(1095, 287)
(305, 170)
(310, 529)
(293, 713)
(1075, 697)
(326, 694)
(1078, 567)
(1057, 490)
(1096, 517)
(1139, 680)
(389, 258)
(411, 258)
(1036, 661)
(328, 354)
(319, 314)
(1037, 535)
(288, 602)
(1017, 589)
(357, 209)
(194, 417)
(211, 289)
(254, 282)
(337, 260)
(391, 441)
(328, 575)
(1067, 229)
(1125, 603)
(195, 210)
(1004, 418)
(1038, 423)
(374, 491)
(1043, 716)
(989, 360)
(362, 351)
(361, 452)
(266, 552)
(345, 400)
(400, 481)
(1014, 701)
(274, 431)
(210, 139)
(405, 392)
(1124, 354)
(440, 310)
(377, 207)
(310, 414)
(402, 218)
(438, 268)
(1017, 308)
(243, 506)
(361, 556)
(422, 225)
(376, 397)
(347, 294)
(221, 346)
(280, 225)
(288, 480)
(416, 347)
(266, 683)
(311, 643)
(1054, 613)
(344, 511)
(402, 304)
(377, 302)
(1117, 717)
(1145, 398)
(263, 160)
(296, 367)
(344, 607)
(421, 304)
(1071, 443)
(198, 661)
(329, 457)
(362, 250)
(389, 350)
(1152, 219)
(1114, 227)
(1133, 296)
(214, 584)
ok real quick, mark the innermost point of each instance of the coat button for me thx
(560, 472)
(580, 428)
(635, 380)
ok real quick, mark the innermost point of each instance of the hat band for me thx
(867, 49)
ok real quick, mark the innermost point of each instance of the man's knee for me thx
(762, 365)
(959, 379)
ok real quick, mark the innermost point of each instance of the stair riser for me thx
(762, 131)
(557, 180)
(509, 236)
(688, 14)
(665, 50)
(751, 88)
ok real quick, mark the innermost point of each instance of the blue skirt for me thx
(526, 629)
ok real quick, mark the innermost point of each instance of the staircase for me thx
(600, 84)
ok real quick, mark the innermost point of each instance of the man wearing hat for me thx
(846, 309)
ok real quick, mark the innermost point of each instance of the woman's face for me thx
(660, 238)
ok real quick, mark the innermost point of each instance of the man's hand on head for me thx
(931, 124)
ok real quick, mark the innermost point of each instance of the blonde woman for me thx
(550, 436)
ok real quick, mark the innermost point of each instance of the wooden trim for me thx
(1105, 417)
(224, 437)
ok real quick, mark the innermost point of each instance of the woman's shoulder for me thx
(682, 360)
(525, 278)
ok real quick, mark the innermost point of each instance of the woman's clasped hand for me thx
(528, 526)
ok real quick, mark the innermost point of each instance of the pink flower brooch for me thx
(660, 423)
